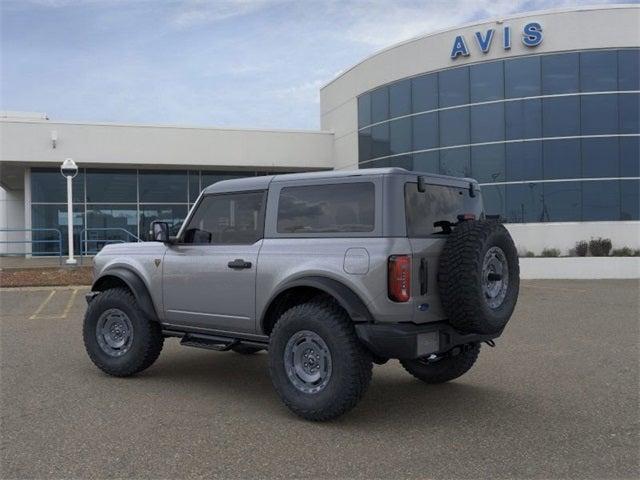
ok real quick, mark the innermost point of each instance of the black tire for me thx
(466, 300)
(246, 349)
(445, 369)
(351, 364)
(146, 342)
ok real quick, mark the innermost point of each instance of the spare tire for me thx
(479, 277)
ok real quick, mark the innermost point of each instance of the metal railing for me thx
(57, 241)
(100, 242)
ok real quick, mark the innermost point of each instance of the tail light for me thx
(399, 279)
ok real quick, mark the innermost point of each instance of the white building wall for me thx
(11, 217)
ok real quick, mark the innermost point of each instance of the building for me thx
(541, 108)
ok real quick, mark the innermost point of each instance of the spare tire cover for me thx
(479, 277)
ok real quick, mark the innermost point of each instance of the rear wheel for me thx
(443, 369)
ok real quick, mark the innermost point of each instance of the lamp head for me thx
(69, 169)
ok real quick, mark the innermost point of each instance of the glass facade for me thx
(114, 205)
(551, 138)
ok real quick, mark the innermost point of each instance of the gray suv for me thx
(328, 271)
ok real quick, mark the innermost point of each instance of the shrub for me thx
(550, 252)
(526, 253)
(600, 247)
(623, 252)
(636, 252)
(582, 248)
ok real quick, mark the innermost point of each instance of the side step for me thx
(210, 342)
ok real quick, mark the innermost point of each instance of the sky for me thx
(227, 63)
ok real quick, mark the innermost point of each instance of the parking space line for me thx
(42, 305)
(65, 312)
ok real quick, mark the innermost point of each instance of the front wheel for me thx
(443, 369)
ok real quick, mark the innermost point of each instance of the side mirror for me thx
(160, 231)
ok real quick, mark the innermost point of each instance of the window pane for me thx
(437, 203)
(227, 219)
(487, 81)
(487, 163)
(561, 116)
(424, 93)
(49, 186)
(600, 157)
(522, 77)
(400, 98)
(629, 69)
(487, 123)
(427, 162)
(630, 197)
(600, 200)
(346, 207)
(630, 156)
(599, 114)
(174, 215)
(524, 203)
(114, 218)
(425, 131)
(524, 161)
(562, 202)
(210, 177)
(454, 127)
(163, 186)
(560, 73)
(401, 161)
(364, 110)
(453, 87)
(629, 113)
(561, 159)
(118, 186)
(400, 132)
(493, 200)
(364, 144)
(455, 162)
(194, 185)
(54, 217)
(379, 104)
(523, 119)
(380, 141)
(598, 71)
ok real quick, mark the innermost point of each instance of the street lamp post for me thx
(69, 170)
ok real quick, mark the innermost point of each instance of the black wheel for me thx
(246, 349)
(317, 364)
(119, 339)
(479, 277)
(443, 369)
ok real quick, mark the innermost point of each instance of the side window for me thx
(343, 207)
(227, 219)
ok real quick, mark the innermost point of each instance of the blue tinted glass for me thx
(174, 215)
(427, 162)
(561, 159)
(561, 116)
(487, 123)
(523, 161)
(364, 110)
(210, 177)
(629, 70)
(48, 242)
(453, 87)
(379, 105)
(522, 77)
(523, 119)
(194, 186)
(455, 162)
(599, 114)
(487, 163)
(493, 197)
(600, 200)
(487, 81)
(425, 131)
(114, 217)
(629, 113)
(524, 203)
(600, 157)
(400, 135)
(630, 200)
(364, 144)
(163, 186)
(400, 98)
(401, 161)
(105, 186)
(562, 202)
(49, 186)
(560, 73)
(380, 140)
(424, 92)
(630, 156)
(599, 71)
(454, 127)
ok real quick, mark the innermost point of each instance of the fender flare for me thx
(344, 295)
(135, 284)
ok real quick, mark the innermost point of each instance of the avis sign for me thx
(531, 37)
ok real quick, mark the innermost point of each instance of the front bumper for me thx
(408, 340)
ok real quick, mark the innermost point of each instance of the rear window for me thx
(337, 208)
(437, 203)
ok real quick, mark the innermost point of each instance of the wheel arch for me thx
(124, 277)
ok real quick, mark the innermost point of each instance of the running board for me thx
(210, 342)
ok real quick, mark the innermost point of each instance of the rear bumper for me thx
(407, 340)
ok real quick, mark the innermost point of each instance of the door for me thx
(209, 274)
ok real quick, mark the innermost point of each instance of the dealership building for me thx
(541, 108)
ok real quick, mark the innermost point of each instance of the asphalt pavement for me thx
(558, 397)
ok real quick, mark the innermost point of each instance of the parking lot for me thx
(557, 398)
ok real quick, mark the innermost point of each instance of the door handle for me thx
(239, 264)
